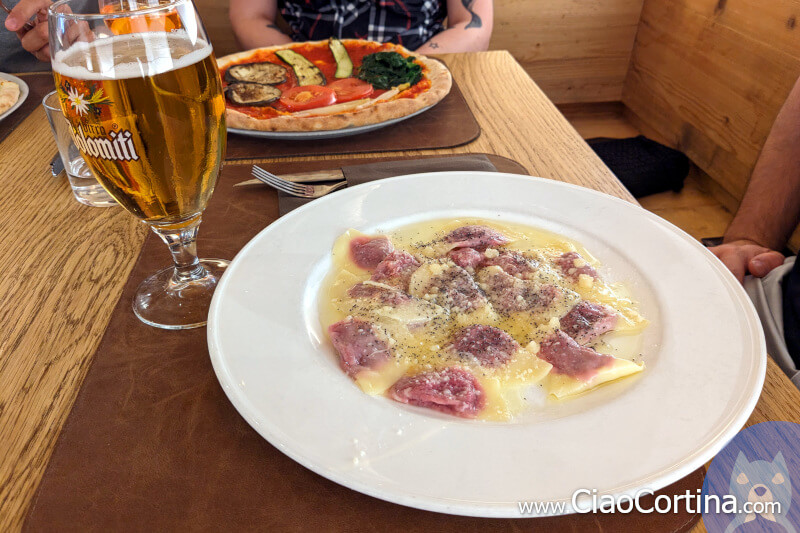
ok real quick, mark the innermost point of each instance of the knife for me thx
(303, 177)
(57, 166)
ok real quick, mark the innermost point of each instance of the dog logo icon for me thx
(766, 487)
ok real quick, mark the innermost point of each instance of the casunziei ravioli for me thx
(465, 316)
(328, 85)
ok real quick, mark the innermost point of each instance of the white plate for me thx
(324, 134)
(704, 352)
(23, 93)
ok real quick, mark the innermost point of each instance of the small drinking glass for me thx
(85, 187)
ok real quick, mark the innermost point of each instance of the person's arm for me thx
(770, 209)
(469, 28)
(35, 40)
(253, 23)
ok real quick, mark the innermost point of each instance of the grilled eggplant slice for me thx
(344, 65)
(264, 73)
(307, 73)
(252, 94)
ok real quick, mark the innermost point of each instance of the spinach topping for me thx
(384, 70)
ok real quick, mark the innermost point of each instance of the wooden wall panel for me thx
(576, 50)
(215, 19)
(709, 77)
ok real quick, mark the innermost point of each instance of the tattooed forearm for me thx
(273, 27)
(476, 20)
(434, 45)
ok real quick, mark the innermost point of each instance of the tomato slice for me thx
(307, 97)
(349, 89)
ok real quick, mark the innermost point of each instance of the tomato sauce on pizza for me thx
(321, 56)
(323, 59)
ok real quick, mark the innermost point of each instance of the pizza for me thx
(328, 85)
(475, 318)
(9, 94)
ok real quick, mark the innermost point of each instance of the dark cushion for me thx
(644, 166)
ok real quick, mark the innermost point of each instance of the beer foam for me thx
(128, 56)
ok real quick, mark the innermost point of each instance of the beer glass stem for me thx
(178, 297)
(182, 243)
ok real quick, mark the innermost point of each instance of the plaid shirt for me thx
(410, 23)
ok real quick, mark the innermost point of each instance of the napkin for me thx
(358, 174)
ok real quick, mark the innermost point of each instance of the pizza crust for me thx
(435, 71)
(9, 94)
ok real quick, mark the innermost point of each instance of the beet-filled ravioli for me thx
(475, 318)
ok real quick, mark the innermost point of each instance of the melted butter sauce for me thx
(421, 346)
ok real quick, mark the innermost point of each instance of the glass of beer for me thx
(140, 87)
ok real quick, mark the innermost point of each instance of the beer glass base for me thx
(162, 302)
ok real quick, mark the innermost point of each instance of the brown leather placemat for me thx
(39, 85)
(153, 444)
(450, 123)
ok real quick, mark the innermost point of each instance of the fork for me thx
(28, 25)
(294, 189)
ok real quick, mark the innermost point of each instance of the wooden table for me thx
(64, 264)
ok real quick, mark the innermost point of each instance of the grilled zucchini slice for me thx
(307, 73)
(344, 65)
